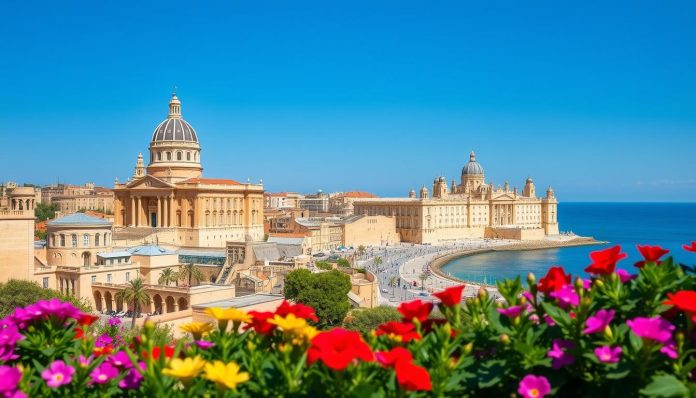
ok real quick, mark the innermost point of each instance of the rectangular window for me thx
(45, 283)
(127, 276)
(85, 240)
(108, 278)
(94, 279)
(74, 240)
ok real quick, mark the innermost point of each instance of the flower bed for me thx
(612, 333)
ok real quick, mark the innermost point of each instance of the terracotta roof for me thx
(357, 194)
(95, 214)
(101, 189)
(217, 181)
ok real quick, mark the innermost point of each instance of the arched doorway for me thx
(119, 304)
(170, 304)
(98, 301)
(109, 301)
(157, 300)
(183, 304)
(86, 259)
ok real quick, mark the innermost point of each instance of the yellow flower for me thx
(289, 324)
(197, 329)
(305, 335)
(225, 375)
(228, 314)
(184, 369)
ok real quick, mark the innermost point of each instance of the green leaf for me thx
(491, 374)
(665, 386)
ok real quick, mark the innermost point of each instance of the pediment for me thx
(504, 197)
(149, 182)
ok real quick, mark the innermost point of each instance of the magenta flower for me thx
(120, 360)
(9, 336)
(103, 340)
(133, 378)
(599, 321)
(114, 321)
(45, 309)
(624, 276)
(558, 354)
(204, 345)
(670, 349)
(549, 321)
(511, 312)
(534, 318)
(587, 284)
(532, 386)
(58, 374)
(606, 354)
(656, 328)
(84, 362)
(103, 373)
(9, 380)
(566, 296)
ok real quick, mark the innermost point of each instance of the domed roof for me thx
(174, 127)
(473, 167)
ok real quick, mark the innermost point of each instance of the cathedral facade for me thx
(170, 199)
(471, 209)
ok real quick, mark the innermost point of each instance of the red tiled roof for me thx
(218, 181)
(357, 194)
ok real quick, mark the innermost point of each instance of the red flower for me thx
(651, 254)
(604, 261)
(403, 332)
(299, 310)
(389, 359)
(79, 334)
(685, 300)
(691, 247)
(86, 319)
(415, 309)
(412, 377)
(157, 351)
(106, 350)
(451, 296)
(554, 280)
(259, 322)
(338, 348)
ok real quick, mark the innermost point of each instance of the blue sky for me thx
(597, 99)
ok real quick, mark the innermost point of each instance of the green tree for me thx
(45, 212)
(393, 281)
(342, 262)
(168, 276)
(135, 293)
(190, 272)
(367, 319)
(326, 292)
(19, 293)
(423, 277)
(324, 265)
(360, 251)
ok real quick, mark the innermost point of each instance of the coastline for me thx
(435, 265)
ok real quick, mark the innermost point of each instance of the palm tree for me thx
(135, 294)
(423, 277)
(392, 283)
(167, 276)
(377, 262)
(361, 251)
(190, 271)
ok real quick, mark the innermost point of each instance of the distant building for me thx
(342, 203)
(282, 200)
(17, 233)
(471, 209)
(316, 203)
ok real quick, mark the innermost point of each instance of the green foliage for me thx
(190, 272)
(18, 293)
(342, 262)
(326, 292)
(45, 212)
(40, 234)
(324, 265)
(367, 319)
(168, 276)
(136, 295)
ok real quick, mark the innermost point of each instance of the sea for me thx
(669, 225)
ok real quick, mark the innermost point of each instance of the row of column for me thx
(67, 286)
(165, 212)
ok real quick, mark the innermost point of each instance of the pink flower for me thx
(45, 309)
(532, 386)
(9, 380)
(120, 360)
(606, 354)
(670, 349)
(58, 374)
(103, 373)
(9, 336)
(84, 362)
(204, 344)
(133, 378)
(587, 284)
(511, 312)
(549, 321)
(624, 276)
(534, 318)
(103, 340)
(656, 328)
(566, 296)
(560, 357)
(599, 321)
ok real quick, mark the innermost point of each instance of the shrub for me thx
(364, 320)
(18, 293)
(612, 334)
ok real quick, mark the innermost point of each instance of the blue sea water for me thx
(669, 225)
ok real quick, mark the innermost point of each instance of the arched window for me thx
(74, 240)
(178, 155)
(169, 156)
(85, 240)
(159, 155)
(96, 240)
(62, 240)
(188, 156)
(195, 156)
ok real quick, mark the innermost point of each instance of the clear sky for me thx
(595, 98)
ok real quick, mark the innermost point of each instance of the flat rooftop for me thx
(241, 301)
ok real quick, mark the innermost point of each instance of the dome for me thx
(473, 167)
(174, 127)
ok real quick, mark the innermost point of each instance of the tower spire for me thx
(174, 106)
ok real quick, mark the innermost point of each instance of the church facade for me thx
(170, 198)
(471, 209)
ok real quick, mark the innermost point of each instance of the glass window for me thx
(127, 276)
(62, 240)
(108, 278)
(74, 240)
(188, 155)
(45, 283)
(96, 240)
(85, 240)
(178, 156)
(94, 279)
(169, 156)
